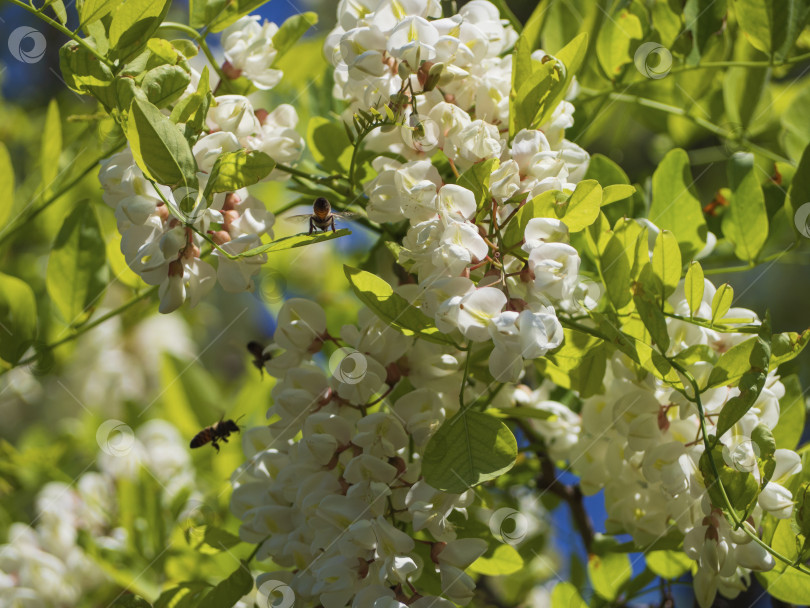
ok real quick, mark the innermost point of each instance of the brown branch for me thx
(571, 495)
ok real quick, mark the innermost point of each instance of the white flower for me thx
(248, 46)
(233, 113)
(412, 41)
(237, 275)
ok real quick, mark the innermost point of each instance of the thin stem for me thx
(729, 509)
(199, 39)
(16, 224)
(770, 258)
(708, 65)
(706, 124)
(85, 328)
(464, 378)
(58, 26)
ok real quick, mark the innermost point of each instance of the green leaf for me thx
(522, 62)
(392, 308)
(6, 185)
(740, 486)
(571, 56)
(615, 270)
(721, 302)
(85, 74)
(648, 304)
(674, 205)
(468, 449)
(329, 144)
(18, 318)
(219, 14)
(165, 84)
(231, 590)
(666, 261)
(541, 205)
(743, 88)
(704, 19)
(751, 384)
(799, 195)
(476, 180)
(694, 285)
(504, 560)
(773, 26)
(184, 595)
(668, 564)
(579, 364)
(240, 169)
(297, 240)
(290, 31)
(565, 595)
(616, 192)
(158, 146)
(534, 96)
(783, 582)
(608, 573)
(51, 148)
(615, 40)
(192, 109)
(133, 23)
(792, 413)
(93, 10)
(577, 211)
(77, 266)
(745, 222)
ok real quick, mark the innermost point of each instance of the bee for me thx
(322, 216)
(219, 431)
(259, 358)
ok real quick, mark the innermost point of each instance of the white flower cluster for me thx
(156, 238)
(43, 564)
(641, 442)
(340, 507)
(382, 49)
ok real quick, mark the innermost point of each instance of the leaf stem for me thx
(61, 28)
(706, 124)
(729, 509)
(85, 328)
(199, 39)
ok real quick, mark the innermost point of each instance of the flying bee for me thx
(219, 431)
(322, 216)
(259, 358)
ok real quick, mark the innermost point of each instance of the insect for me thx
(322, 216)
(259, 358)
(219, 431)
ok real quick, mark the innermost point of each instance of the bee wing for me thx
(344, 215)
(297, 218)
